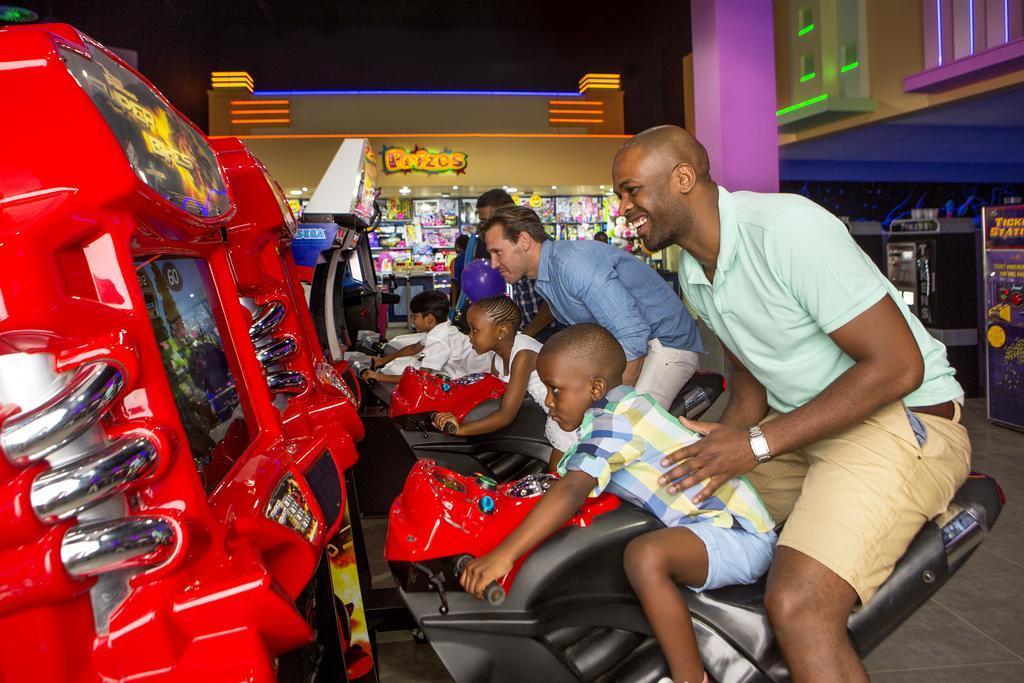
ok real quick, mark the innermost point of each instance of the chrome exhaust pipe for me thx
(66, 491)
(276, 350)
(132, 542)
(286, 382)
(269, 317)
(31, 436)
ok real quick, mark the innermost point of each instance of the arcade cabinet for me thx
(1004, 313)
(344, 295)
(935, 264)
(172, 445)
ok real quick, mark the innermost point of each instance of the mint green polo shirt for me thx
(788, 275)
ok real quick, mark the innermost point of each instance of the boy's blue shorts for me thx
(735, 556)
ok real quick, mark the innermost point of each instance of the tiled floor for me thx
(972, 630)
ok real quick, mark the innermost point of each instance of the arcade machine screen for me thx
(165, 152)
(178, 292)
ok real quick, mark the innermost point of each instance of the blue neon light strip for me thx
(938, 7)
(970, 8)
(516, 93)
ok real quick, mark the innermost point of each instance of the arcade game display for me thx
(935, 263)
(1004, 313)
(173, 442)
(345, 295)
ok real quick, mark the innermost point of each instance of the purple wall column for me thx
(734, 91)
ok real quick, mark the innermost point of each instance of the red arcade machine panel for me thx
(167, 477)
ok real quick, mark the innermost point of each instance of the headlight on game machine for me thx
(326, 373)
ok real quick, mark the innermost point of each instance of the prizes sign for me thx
(419, 160)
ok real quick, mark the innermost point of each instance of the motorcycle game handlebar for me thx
(494, 594)
(449, 428)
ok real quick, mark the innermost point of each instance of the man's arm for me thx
(887, 366)
(541, 322)
(748, 401)
(555, 508)
(632, 372)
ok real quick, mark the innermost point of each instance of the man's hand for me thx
(479, 573)
(378, 362)
(441, 419)
(722, 454)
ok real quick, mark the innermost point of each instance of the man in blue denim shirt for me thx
(592, 282)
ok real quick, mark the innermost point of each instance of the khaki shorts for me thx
(854, 501)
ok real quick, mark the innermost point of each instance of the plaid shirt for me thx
(527, 299)
(622, 440)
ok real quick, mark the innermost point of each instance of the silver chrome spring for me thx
(111, 545)
(67, 490)
(64, 416)
(266, 320)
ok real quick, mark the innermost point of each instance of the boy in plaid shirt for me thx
(623, 436)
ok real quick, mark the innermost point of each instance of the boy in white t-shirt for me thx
(444, 349)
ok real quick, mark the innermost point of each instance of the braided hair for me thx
(501, 309)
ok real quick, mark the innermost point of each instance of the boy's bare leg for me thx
(654, 563)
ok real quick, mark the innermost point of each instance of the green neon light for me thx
(800, 105)
(807, 77)
(805, 30)
(850, 67)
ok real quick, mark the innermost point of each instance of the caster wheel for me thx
(419, 636)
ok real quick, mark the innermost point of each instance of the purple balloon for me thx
(480, 281)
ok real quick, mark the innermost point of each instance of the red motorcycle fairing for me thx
(420, 393)
(442, 514)
(109, 199)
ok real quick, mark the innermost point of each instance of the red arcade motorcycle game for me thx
(172, 447)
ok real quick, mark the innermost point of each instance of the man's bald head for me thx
(674, 146)
(663, 180)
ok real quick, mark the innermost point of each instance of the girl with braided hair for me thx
(493, 326)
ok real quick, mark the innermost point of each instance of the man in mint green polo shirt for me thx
(844, 412)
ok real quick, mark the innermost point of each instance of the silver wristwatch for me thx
(759, 445)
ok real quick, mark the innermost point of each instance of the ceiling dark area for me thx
(398, 44)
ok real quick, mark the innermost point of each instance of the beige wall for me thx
(528, 163)
(896, 51)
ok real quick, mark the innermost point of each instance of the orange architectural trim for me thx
(343, 136)
(575, 120)
(259, 121)
(578, 103)
(576, 111)
(246, 112)
(244, 103)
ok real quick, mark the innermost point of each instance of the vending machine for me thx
(1004, 313)
(172, 442)
(935, 263)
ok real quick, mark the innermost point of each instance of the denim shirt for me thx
(592, 282)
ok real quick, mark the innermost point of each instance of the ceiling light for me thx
(504, 187)
(554, 187)
(512, 190)
(455, 187)
(445, 194)
(305, 189)
(295, 193)
(404, 190)
(601, 186)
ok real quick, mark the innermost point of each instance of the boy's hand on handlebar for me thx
(378, 362)
(371, 374)
(722, 454)
(479, 573)
(442, 419)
